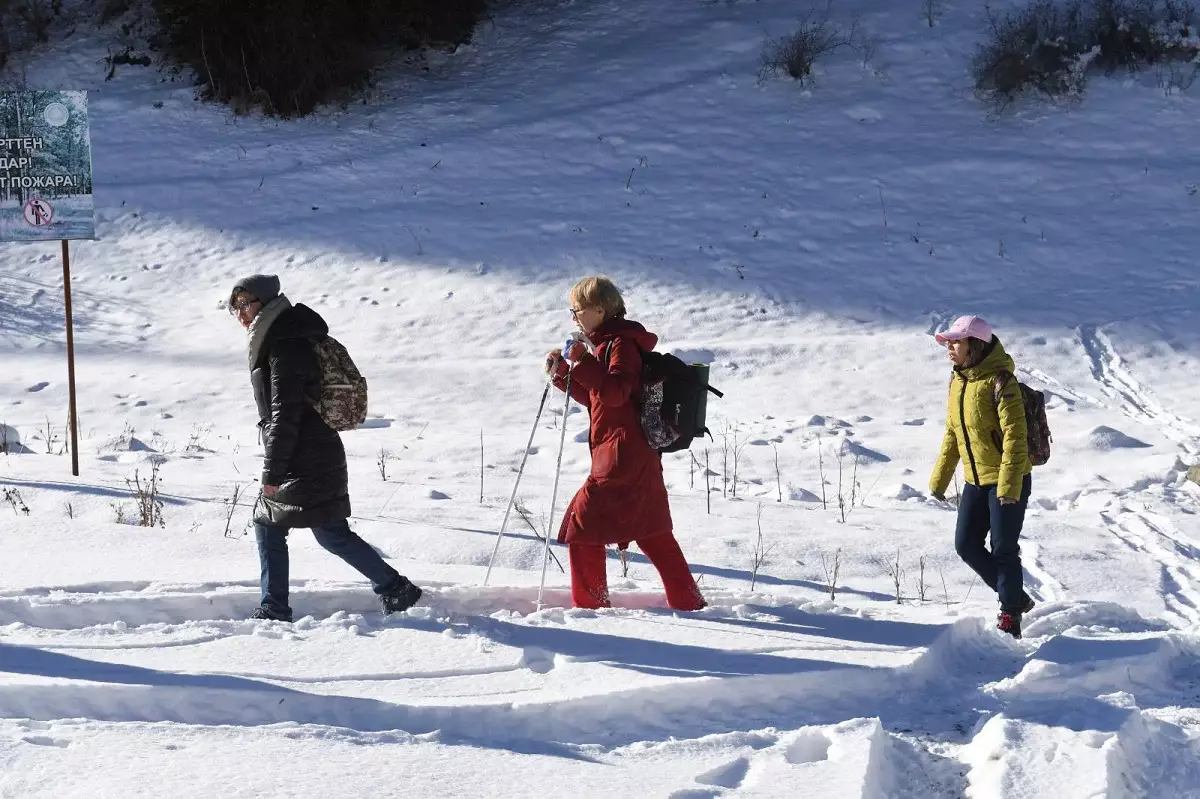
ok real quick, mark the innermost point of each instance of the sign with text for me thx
(45, 167)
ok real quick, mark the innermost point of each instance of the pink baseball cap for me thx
(966, 327)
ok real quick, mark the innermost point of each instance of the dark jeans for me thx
(979, 510)
(336, 537)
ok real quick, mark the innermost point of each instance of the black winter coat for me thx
(304, 456)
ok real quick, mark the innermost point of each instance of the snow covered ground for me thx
(805, 242)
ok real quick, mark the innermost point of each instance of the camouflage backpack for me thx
(1037, 427)
(343, 401)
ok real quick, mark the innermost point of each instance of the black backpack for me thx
(673, 404)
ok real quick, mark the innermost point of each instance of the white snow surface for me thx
(805, 242)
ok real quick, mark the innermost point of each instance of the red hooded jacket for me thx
(624, 498)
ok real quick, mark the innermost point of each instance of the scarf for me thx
(256, 335)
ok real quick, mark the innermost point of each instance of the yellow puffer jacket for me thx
(988, 437)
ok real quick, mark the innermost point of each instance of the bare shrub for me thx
(623, 557)
(761, 549)
(1033, 48)
(147, 502)
(707, 485)
(795, 54)
(732, 445)
(1049, 47)
(895, 573)
(832, 566)
(821, 469)
(922, 584)
(527, 516)
(198, 438)
(26, 23)
(231, 506)
(945, 590)
(49, 436)
(846, 502)
(286, 57)
(13, 497)
(778, 479)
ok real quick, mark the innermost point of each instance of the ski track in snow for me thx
(871, 727)
(1177, 556)
(1042, 586)
(1134, 399)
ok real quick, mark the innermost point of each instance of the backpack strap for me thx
(608, 348)
(999, 383)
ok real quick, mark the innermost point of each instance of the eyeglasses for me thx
(575, 312)
(241, 305)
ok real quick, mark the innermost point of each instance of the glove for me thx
(939, 497)
(575, 348)
(1007, 501)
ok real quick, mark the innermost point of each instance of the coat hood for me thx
(300, 322)
(996, 360)
(281, 320)
(625, 329)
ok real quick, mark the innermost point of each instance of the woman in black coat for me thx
(304, 478)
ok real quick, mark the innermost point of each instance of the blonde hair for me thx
(599, 292)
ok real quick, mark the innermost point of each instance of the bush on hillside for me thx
(1051, 46)
(24, 23)
(795, 54)
(287, 57)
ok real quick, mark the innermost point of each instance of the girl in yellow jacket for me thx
(985, 431)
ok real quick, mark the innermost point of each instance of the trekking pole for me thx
(562, 440)
(520, 471)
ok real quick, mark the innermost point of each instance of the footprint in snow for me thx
(728, 775)
(864, 114)
(44, 740)
(537, 660)
(809, 747)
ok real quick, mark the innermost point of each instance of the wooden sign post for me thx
(74, 424)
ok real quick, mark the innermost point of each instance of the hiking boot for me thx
(1009, 623)
(267, 614)
(1029, 604)
(401, 598)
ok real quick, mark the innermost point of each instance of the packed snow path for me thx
(749, 694)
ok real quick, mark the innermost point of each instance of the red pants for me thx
(589, 575)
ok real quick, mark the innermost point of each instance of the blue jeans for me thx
(980, 511)
(336, 537)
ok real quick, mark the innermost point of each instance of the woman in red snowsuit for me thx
(624, 498)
